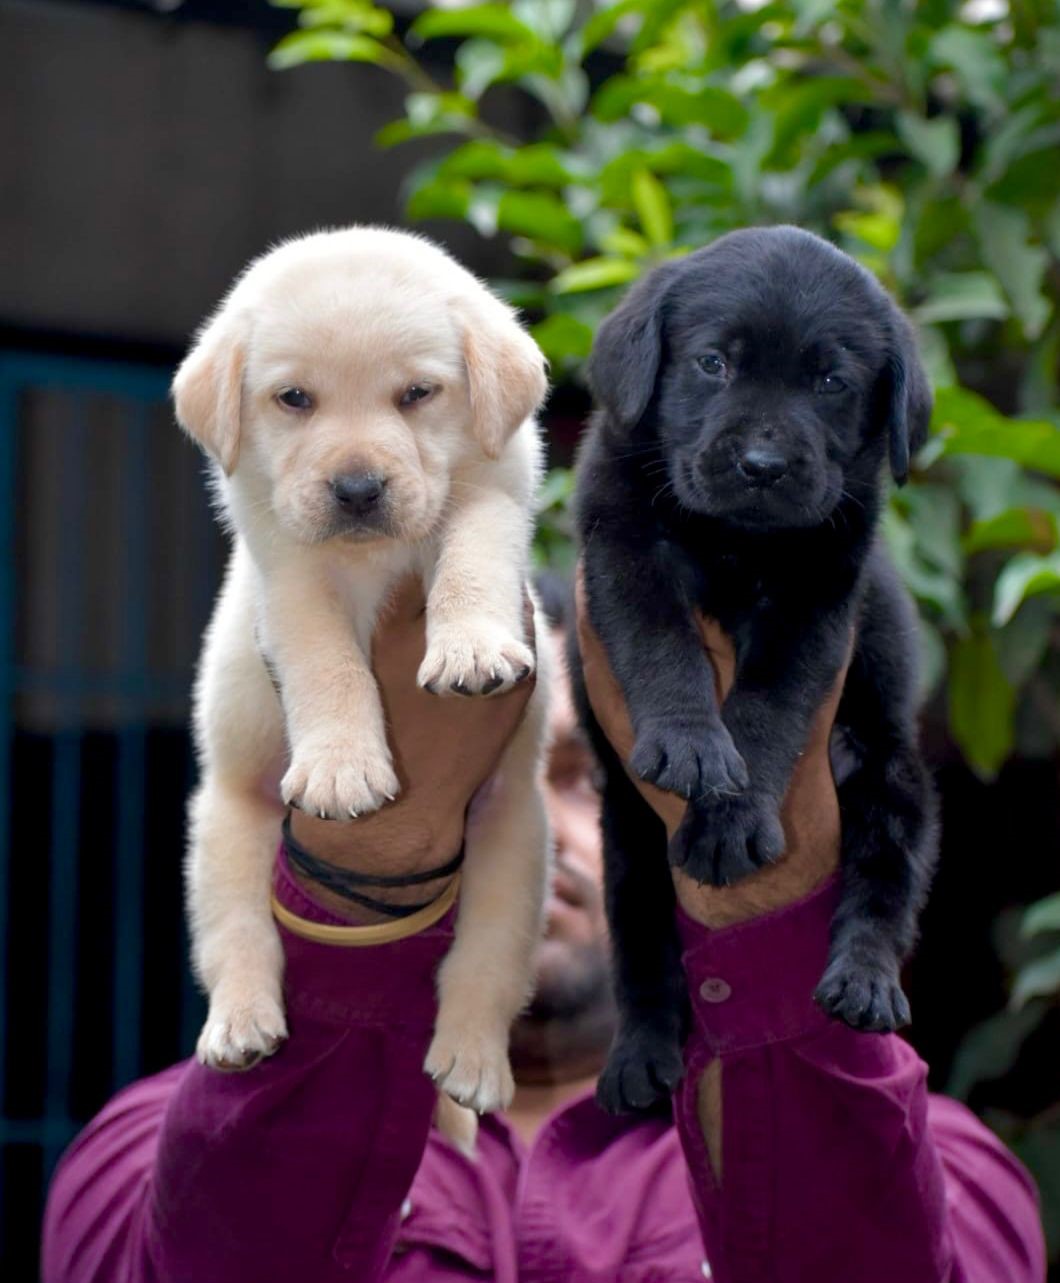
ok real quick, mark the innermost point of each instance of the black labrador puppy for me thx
(749, 396)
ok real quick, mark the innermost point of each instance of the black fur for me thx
(749, 398)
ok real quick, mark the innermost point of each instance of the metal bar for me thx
(130, 776)
(80, 374)
(77, 683)
(8, 462)
(66, 797)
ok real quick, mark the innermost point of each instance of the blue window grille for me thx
(109, 560)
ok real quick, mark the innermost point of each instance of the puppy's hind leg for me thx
(889, 820)
(645, 1062)
(486, 978)
(235, 825)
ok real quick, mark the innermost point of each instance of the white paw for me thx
(472, 1067)
(474, 658)
(237, 1035)
(336, 780)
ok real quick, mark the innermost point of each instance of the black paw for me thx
(643, 1069)
(726, 839)
(691, 758)
(865, 996)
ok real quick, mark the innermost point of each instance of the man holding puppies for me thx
(800, 1149)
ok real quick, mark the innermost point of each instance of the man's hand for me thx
(443, 751)
(809, 814)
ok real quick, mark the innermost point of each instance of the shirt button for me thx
(406, 1209)
(706, 1271)
(714, 989)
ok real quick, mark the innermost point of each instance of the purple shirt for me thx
(320, 1164)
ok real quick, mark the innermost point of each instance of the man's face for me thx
(568, 1025)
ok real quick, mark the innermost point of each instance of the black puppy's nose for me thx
(763, 466)
(358, 492)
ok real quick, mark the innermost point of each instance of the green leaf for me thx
(327, 46)
(1026, 575)
(975, 60)
(495, 21)
(961, 296)
(604, 21)
(1038, 979)
(439, 198)
(990, 1050)
(1023, 643)
(595, 274)
(981, 701)
(932, 659)
(479, 64)
(625, 242)
(707, 105)
(1004, 242)
(969, 424)
(542, 217)
(537, 165)
(875, 228)
(563, 338)
(1013, 528)
(935, 143)
(934, 514)
(1043, 916)
(937, 588)
(548, 19)
(652, 203)
(348, 15)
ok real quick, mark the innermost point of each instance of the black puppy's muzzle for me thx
(761, 466)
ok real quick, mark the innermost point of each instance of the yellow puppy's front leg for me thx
(340, 763)
(475, 630)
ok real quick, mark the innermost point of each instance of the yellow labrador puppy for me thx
(368, 404)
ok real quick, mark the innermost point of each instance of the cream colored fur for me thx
(355, 318)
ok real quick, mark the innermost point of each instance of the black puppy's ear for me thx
(628, 349)
(909, 404)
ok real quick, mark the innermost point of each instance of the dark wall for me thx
(147, 157)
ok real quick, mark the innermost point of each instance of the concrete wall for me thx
(145, 159)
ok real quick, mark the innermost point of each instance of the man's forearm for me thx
(298, 1168)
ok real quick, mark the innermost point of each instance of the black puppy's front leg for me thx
(782, 680)
(889, 819)
(642, 614)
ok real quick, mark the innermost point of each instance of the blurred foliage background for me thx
(922, 138)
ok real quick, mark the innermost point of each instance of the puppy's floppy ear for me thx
(208, 390)
(628, 350)
(908, 398)
(505, 371)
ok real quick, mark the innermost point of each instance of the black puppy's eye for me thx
(713, 363)
(295, 399)
(829, 383)
(417, 392)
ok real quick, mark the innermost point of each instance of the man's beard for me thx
(566, 1031)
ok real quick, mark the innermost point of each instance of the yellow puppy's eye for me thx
(416, 392)
(295, 399)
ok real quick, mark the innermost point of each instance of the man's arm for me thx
(297, 1168)
(815, 1151)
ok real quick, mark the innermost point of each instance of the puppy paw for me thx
(472, 1067)
(642, 1071)
(727, 839)
(237, 1034)
(476, 658)
(693, 758)
(866, 996)
(337, 780)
